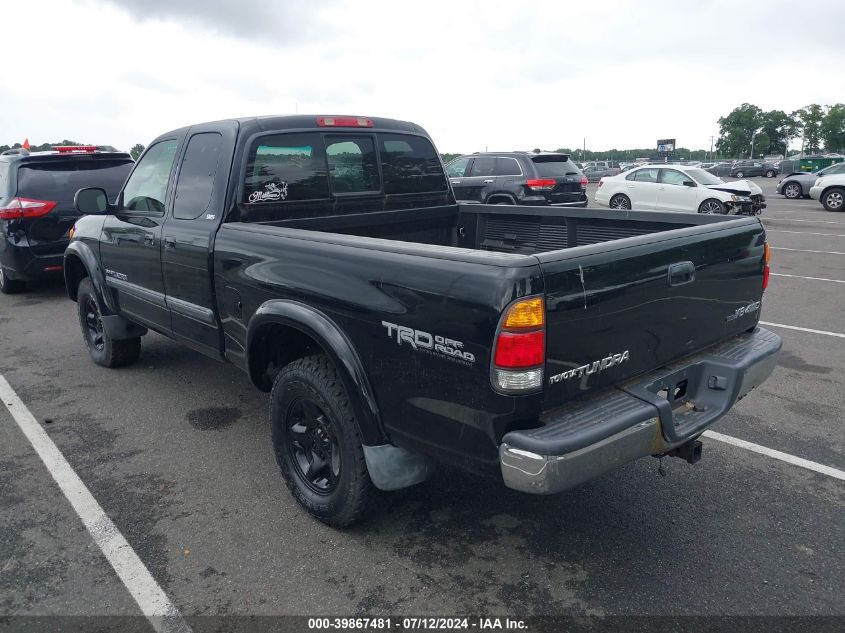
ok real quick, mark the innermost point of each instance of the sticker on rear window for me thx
(272, 192)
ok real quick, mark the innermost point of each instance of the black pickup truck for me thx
(395, 329)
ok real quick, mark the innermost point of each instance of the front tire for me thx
(770, 174)
(104, 350)
(318, 446)
(792, 191)
(620, 202)
(739, 174)
(10, 286)
(834, 199)
(712, 206)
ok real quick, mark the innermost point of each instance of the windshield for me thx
(704, 177)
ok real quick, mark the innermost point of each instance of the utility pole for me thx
(711, 147)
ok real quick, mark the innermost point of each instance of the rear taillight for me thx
(19, 208)
(767, 255)
(520, 348)
(541, 184)
(584, 183)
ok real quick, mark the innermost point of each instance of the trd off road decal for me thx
(271, 192)
(429, 343)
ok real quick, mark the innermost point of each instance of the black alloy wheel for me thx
(313, 446)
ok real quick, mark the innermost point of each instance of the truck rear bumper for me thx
(648, 416)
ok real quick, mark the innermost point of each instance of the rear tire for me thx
(770, 174)
(104, 350)
(739, 174)
(792, 191)
(834, 199)
(318, 446)
(10, 286)
(711, 206)
(620, 202)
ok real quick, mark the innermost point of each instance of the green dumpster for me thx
(814, 163)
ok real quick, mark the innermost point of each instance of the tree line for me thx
(750, 131)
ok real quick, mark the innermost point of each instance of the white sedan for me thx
(678, 188)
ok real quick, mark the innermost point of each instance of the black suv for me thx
(743, 168)
(527, 178)
(36, 205)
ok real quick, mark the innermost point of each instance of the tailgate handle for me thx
(681, 273)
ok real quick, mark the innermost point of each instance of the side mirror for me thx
(689, 183)
(91, 201)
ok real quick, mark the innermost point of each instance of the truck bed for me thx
(500, 228)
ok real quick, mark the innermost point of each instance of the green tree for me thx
(810, 118)
(833, 128)
(737, 129)
(136, 151)
(777, 128)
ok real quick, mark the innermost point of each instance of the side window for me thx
(483, 166)
(352, 164)
(673, 177)
(838, 168)
(632, 175)
(457, 167)
(507, 167)
(647, 175)
(4, 179)
(196, 176)
(146, 188)
(286, 167)
(410, 164)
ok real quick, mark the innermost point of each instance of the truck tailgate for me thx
(619, 309)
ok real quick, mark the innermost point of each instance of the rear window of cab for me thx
(288, 168)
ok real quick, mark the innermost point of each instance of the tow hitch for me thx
(689, 452)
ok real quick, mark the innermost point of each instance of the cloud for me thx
(282, 23)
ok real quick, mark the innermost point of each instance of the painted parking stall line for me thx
(803, 250)
(836, 281)
(150, 597)
(805, 233)
(773, 219)
(770, 452)
(803, 329)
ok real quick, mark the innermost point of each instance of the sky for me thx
(476, 75)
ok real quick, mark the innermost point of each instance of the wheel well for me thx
(273, 346)
(75, 272)
(500, 196)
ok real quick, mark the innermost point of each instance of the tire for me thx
(311, 419)
(620, 202)
(770, 174)
(711, 206)
(834, 199)
(739, 174)
(792, 190)
(104, 350)
(10, 286)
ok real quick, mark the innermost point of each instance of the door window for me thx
(146, 188)
(196, 176)
(483, 166)
(457, 167)
(507, 167)
(352, 164)
(646, 175)
(673, 177)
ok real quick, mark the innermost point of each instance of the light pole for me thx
(753, 136)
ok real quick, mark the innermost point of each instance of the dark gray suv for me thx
(526, 178)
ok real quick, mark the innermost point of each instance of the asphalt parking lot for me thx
(176, 451)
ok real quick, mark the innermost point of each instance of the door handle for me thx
(149, 239)
(169, 242)
(455, 182)
(487, 182)
(681, 273)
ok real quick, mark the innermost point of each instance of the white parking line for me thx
(836, 281)
(784, 457)
(801, 250)
(804, 233)
(803, 329)
(811, 221)
(152, 600)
